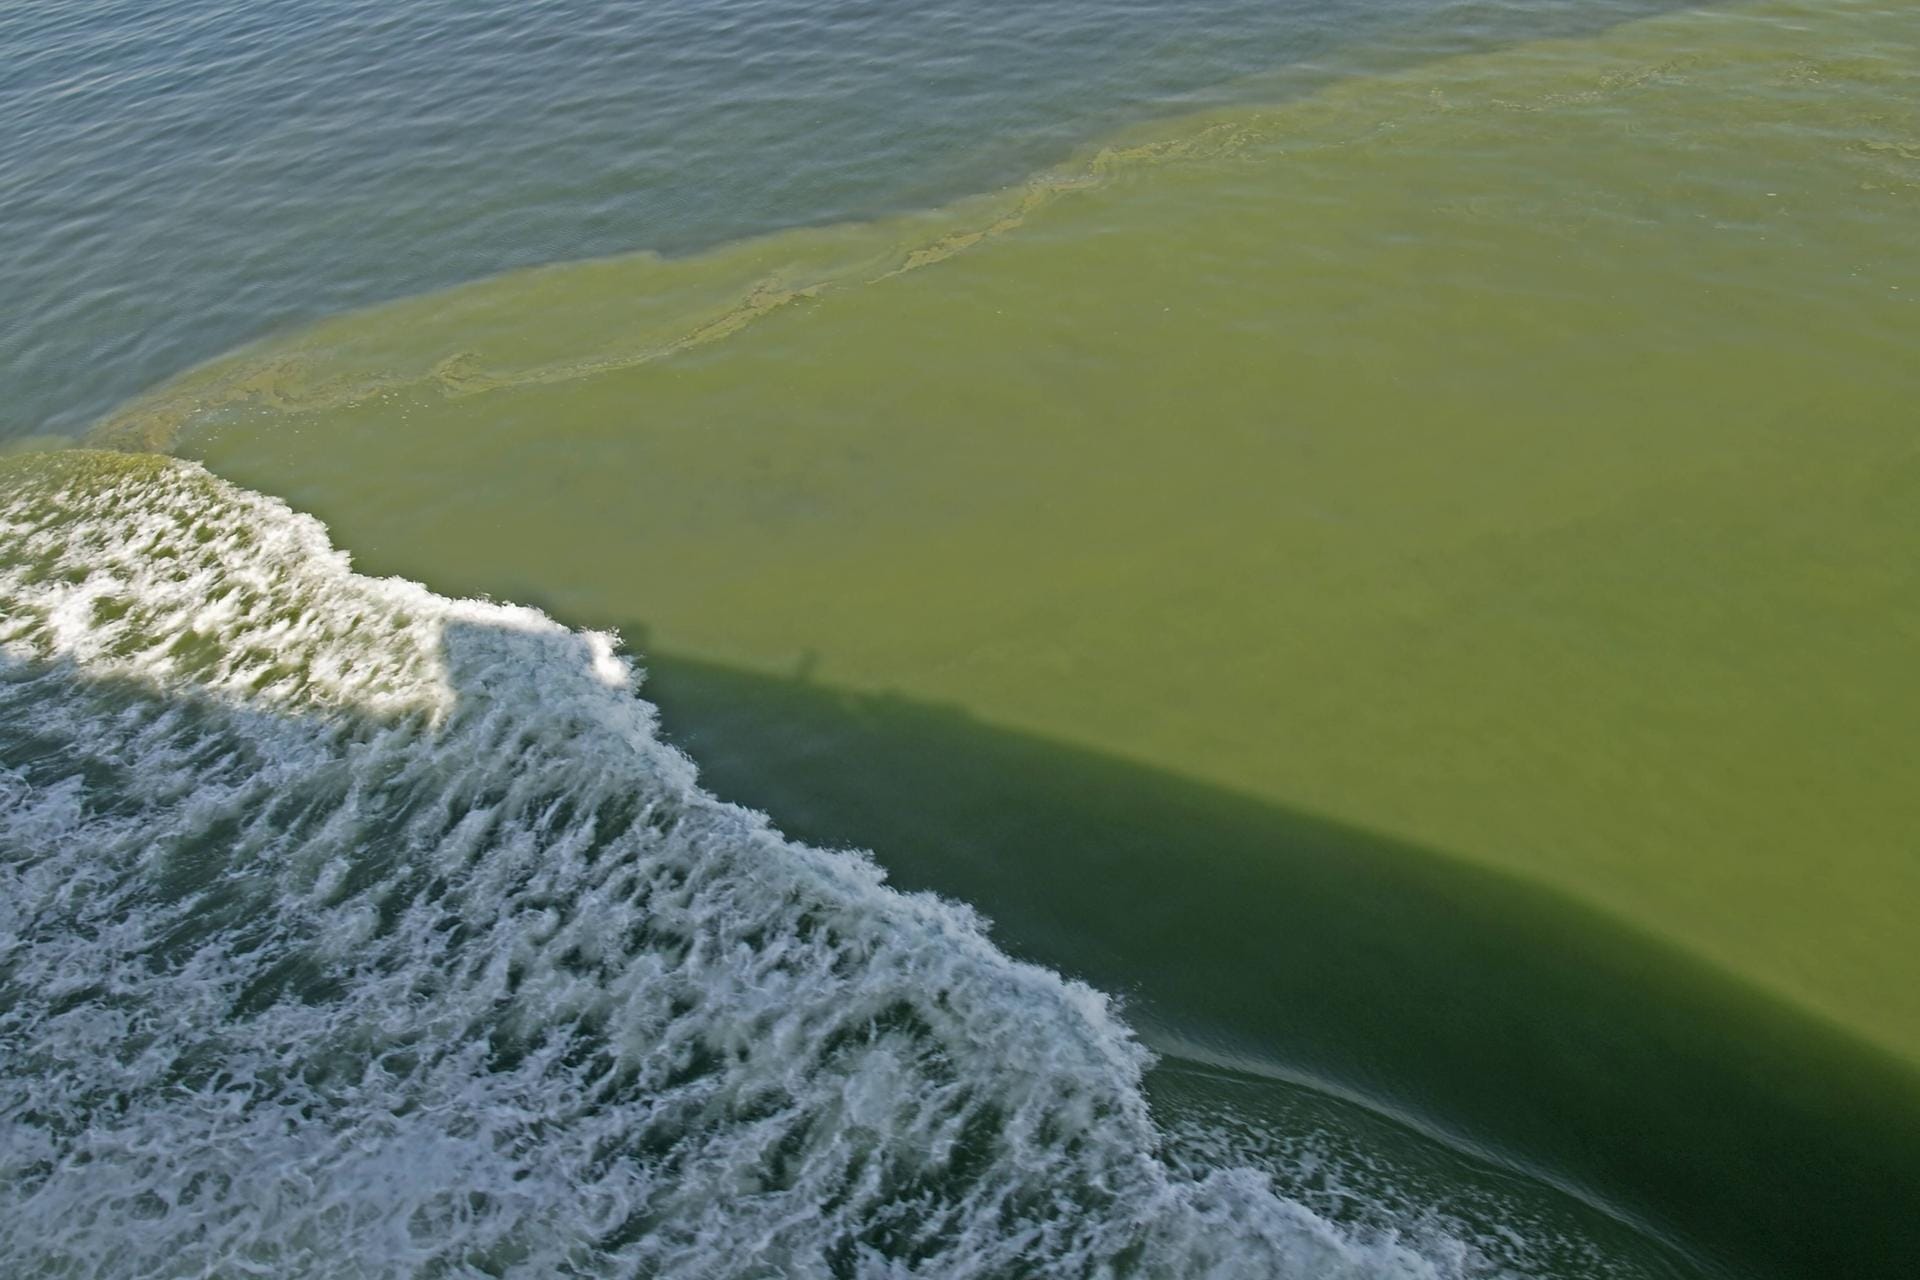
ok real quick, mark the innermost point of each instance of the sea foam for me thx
(350, 930)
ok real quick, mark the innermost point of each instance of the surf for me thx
(352, 929)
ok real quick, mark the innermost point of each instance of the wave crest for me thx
(350, 930)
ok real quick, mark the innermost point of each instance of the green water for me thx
(1514, 455)
(1463, 517)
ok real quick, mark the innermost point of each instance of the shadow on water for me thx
(1281, 947)
(1508, 1020)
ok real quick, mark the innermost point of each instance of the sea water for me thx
(1378, 538)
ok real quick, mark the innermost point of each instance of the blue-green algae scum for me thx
(1144, 640)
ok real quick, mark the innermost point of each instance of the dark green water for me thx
(1381, 537)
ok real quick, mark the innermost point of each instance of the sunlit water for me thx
(1382, 537)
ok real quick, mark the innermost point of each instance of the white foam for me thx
(348, 930)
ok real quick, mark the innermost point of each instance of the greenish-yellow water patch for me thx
(1515, 455)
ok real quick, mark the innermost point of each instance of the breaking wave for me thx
(346, 929)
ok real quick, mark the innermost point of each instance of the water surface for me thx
(1381, 536)
(1513, 453)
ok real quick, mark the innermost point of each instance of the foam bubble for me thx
(350, 930)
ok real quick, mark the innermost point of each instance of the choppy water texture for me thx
(1404, 571)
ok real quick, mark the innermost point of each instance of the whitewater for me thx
(350, 930)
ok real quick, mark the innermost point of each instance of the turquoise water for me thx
(1312, 604)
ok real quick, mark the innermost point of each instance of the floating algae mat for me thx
(1496, 478)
